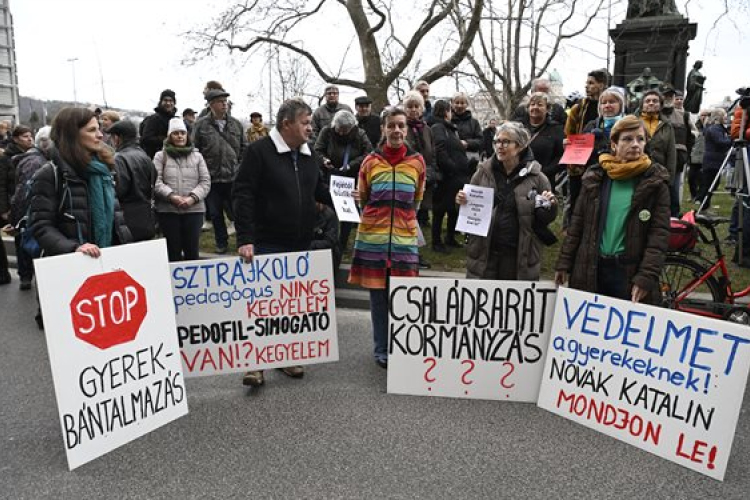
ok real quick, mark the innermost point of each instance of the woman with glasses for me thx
(523, 206)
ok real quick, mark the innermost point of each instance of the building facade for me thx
(8, 74)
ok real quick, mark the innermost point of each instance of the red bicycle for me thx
(694, 284)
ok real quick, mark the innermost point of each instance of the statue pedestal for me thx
(659, 43)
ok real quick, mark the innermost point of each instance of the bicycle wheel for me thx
(680, 274)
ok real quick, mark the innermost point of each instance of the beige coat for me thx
(182, 176)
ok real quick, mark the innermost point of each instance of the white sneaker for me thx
(207, 226)
(230, 229)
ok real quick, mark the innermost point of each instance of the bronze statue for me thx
(694, 88)
(651, 8)
(636, 88)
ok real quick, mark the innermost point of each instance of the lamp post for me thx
(72, 62)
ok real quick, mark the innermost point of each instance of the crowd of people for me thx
(92, 181)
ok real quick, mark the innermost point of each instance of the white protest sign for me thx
(664, 381)
(278, 310)
(468, 338)
(475, 215)
(343, 201)
(115, 362)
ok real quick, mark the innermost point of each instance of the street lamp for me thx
(72, 62)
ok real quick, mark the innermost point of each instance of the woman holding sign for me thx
(391, 185)
(618, 233)
(523, 206)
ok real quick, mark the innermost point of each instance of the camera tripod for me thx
(738, 184)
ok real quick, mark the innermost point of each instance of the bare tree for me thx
(517, 41)
(384, 56)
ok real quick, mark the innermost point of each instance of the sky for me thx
(129, 51)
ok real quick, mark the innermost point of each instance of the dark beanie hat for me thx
(167, 93)
(123, 128)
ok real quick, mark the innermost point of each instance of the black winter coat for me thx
(274, 197)
(154, 131)
(26, 166)
(330, 145)
(60, 214)
(452, 161)
(371, 125)
(8, 175)
(717, 143)
(134, 187)
(469, 130)
(547, 145)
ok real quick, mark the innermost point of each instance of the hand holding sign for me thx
(342, 189)
(578, 149)
(476, 209)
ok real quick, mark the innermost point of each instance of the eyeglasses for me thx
(504, 142)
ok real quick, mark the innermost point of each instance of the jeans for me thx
(183, 233)
(220, 199)
(674, 195)
(379, 316)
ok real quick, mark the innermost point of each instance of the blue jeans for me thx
(379, 315)
(24, 261)
(612, 280)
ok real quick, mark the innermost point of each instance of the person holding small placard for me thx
(523, 207)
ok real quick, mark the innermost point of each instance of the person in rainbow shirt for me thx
(391, 186)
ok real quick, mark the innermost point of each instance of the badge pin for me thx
(644, 215)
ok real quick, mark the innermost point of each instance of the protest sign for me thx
(468, 338)
(474, 216)
(664, 381)
(115, 362)
(278, 310)
(578, 150)
(343, 201)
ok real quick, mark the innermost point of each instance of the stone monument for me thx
(653, 35)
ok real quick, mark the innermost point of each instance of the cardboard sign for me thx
(278, 310)
(667, 382)
(343, 201)
(468, 338)
(578, 150)
(474, 217)
(115, 362)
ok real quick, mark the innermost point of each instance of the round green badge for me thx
(644, 215)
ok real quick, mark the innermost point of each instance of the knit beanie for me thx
(168, 93)
(176, 124)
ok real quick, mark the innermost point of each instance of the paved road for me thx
(334, 434)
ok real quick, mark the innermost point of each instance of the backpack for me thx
(29, 244)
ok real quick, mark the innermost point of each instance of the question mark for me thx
(427, 377)
(502, 379)
(471, 368)
(249, 346)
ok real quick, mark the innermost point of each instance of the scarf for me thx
(416, 125)
(651, 120)
(101, 192)
(177, 151)
(257, 130)
(619, 170)
(608, 122)
(394, 155)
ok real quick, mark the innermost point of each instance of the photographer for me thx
(740, 113)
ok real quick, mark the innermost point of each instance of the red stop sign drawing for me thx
(108, 309)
